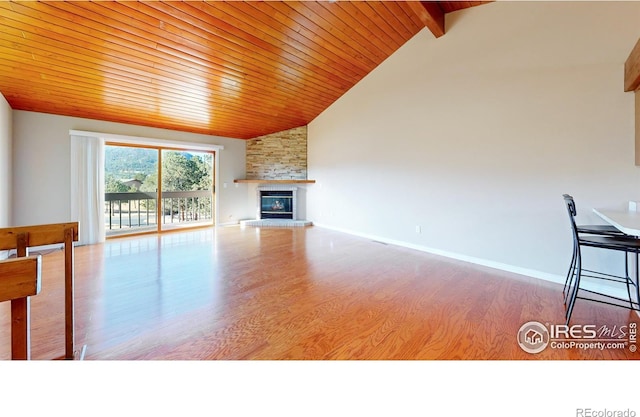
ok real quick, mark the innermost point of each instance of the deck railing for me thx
(137, 211)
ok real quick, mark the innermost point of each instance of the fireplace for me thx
(276, 204)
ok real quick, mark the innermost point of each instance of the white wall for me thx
(475, 136)
(5, 162)
(41, 171)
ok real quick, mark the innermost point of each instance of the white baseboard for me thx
(55, 246)
(232, 223)
(34, 250)
(545, 276)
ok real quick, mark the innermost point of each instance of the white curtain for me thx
(87, 188)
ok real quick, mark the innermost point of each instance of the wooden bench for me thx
(21, 239)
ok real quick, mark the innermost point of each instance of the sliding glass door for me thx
(187, 189)
(155, 189)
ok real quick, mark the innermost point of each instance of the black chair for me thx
(591, 229)
(597, 236)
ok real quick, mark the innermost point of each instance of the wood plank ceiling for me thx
(239, 69)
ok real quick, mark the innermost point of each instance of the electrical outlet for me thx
(418, 229)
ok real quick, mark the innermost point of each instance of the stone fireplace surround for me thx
(277, 162)
(294, 222)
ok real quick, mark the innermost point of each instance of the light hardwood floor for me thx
(300, 293)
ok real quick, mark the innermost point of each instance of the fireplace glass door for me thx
(276, 205)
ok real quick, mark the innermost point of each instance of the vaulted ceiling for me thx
(240, 69)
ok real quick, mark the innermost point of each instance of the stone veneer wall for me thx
(278, 156)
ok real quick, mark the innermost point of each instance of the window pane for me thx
(131, 178)
(187, 189)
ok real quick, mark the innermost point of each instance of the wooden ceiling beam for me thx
(632, 70)
(430, 14)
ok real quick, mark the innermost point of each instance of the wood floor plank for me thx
(301, 294)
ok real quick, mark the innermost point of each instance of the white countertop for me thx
(626, 221)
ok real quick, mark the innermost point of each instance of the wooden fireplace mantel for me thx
(275, 181)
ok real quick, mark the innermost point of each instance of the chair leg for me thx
(570, 274)
(637, 283)
(576, 287)
(628, 278)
